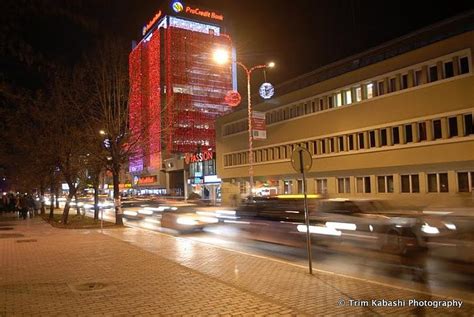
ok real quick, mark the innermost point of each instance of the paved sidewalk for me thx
(127, 272)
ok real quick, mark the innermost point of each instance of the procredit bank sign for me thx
(178, 7)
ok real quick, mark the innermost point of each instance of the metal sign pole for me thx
(101, 220)
(306, 215)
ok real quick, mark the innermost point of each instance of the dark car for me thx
(359, 223)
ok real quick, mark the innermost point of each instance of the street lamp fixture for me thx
(102, 132)
(221, 57)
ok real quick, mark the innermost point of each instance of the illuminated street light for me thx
(221, 57)
(102, 132)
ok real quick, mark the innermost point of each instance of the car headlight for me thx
(187, 221)
(426, 228)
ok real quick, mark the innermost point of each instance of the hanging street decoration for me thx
(232, 98)
(266, 90)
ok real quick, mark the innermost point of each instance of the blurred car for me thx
(360, 223)
(179, 216)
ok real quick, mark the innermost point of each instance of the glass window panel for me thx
(381, 184)
(367, 184)
(463, 182)
(405, 180)
(389, 184)
(370, 90)
(415, 183)
(448, 70)
(453, 127)
(358, 92)
(408, 133)
(437, 129)
(443, 182)
(433, 73)
(432, 183)
(464, 65)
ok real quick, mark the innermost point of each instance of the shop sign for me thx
(195, 180)
(147, 180)
(152, 21)
(198, 157)
(211, 179)
(259, 129)
(204, 13)
(123, 186)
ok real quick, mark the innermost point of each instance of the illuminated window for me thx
(338, 99)
(370, 90)
(358, 94)
(287, 187)
(348, 97)
(194, 26)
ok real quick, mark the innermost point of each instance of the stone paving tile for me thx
(38, 278)
(283, 283)
(157, 275)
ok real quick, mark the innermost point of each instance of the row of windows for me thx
(420, 131)
(422, 74)
(409, 183)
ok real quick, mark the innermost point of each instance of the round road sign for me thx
(301, 159)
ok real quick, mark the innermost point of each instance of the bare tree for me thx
(111, 88)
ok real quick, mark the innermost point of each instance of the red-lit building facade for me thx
(176, 93)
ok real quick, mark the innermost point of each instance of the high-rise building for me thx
(177, 92)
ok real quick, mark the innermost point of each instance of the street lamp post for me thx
(221, 57)
(249, 113)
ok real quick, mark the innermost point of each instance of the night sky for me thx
(298, 35)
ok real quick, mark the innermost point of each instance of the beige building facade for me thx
(394, 122)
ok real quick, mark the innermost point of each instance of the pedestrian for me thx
(22, 205)
(31, 205)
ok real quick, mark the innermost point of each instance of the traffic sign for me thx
(301, 159)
